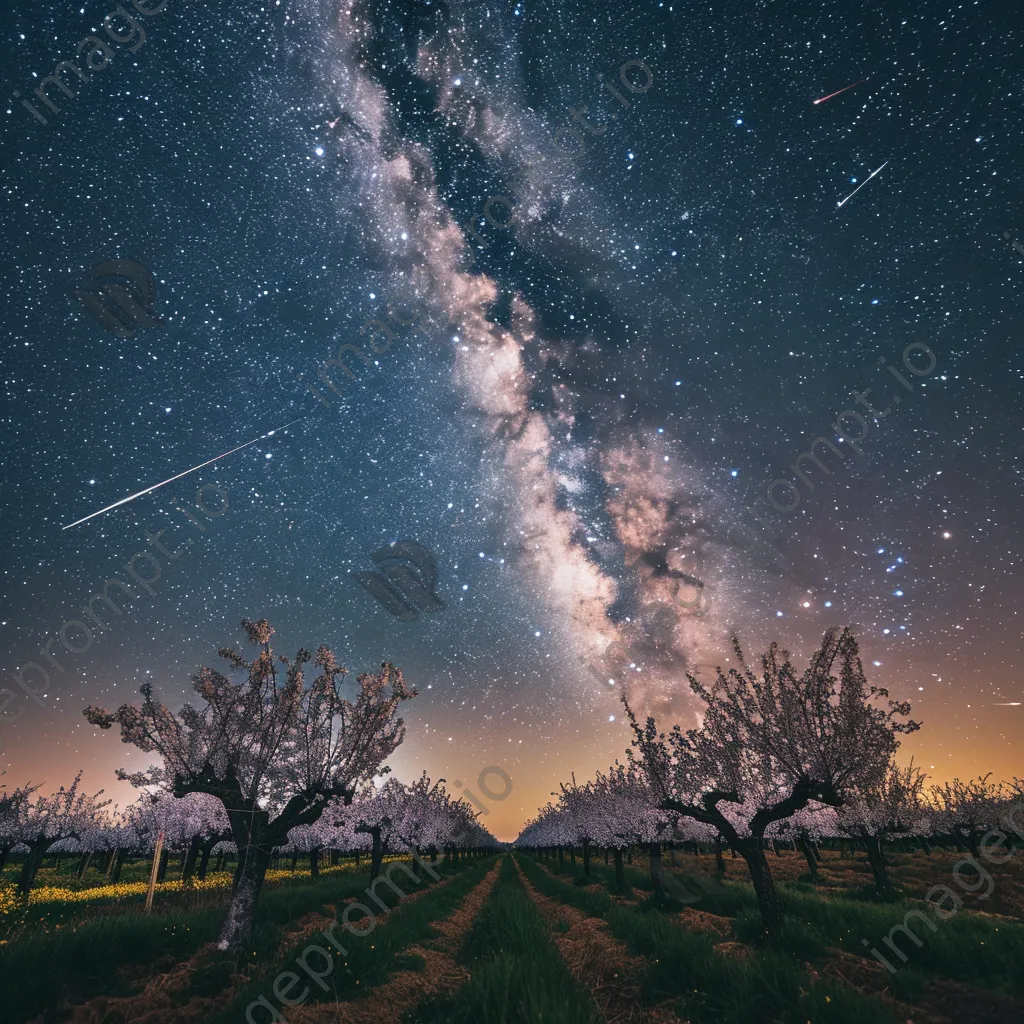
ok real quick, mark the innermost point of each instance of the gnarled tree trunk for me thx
(768, 902)
(719, 859)
(83, 864)
(36, 852)
(654, 864)
(188, 866)
(204, 858)
(252, 869)
(876, 858)
(812, 861)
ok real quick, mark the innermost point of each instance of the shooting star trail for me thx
(831, 94)
(163, 483)
(1012, 704)
(860, 186)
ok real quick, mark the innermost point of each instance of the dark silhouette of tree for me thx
(271, 748)
(769, 744)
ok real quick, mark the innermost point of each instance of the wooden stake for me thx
(152, 874)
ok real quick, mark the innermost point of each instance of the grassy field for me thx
(520, 938)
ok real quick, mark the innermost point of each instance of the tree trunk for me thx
(416, 862)
(808, 853)
(295, 858)
(253, 863)
(719, 859)
(376, 855)
(926, 846)
(5, 852)
(654, 864)
(586, 857)
(972, 842)
(83, 864)
(877, 861)
(314, 864)
(768, 901)
(119, 859)
(620, 874)
(204, 861)
(606, 852)
(561, 858)
(188, 866)
(36, 852)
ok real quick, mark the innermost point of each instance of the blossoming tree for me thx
(888, 808)
(67, 814)
(966, 810)
(769, 744)
(271, 748)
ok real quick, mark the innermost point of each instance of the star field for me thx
(604, 378)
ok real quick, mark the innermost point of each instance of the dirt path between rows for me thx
(600, 963)
(385, 1004)
(160, 1000)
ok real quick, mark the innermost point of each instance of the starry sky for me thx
(598, 387)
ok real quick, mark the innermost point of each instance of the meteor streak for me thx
(860, 186)
(132, 497)
(831, 94)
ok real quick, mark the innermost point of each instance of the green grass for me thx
(712, 988)
(17, 917)
(517, 974)
(85, 958)
(373, 957)
(968, 948)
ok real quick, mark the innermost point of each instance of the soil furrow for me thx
(385, 1004)
(600, 963)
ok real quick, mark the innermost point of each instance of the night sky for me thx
(587, 408)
